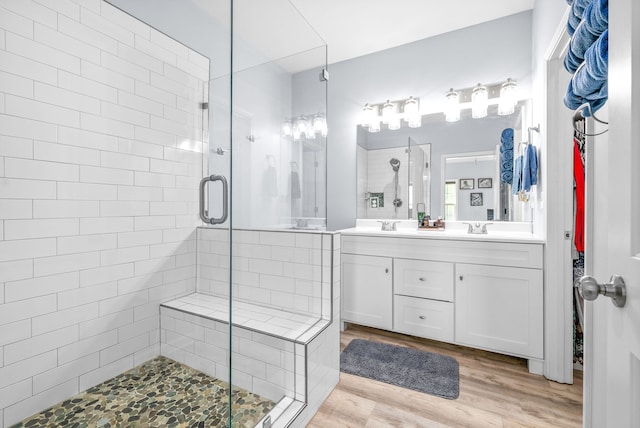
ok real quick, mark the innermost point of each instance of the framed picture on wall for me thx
(476, 199)
(485, 183)
(466, 184)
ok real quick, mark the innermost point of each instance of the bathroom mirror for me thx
(460, 155)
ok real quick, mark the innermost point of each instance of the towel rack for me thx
(579, 115)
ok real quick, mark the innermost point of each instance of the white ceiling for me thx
(352, 28)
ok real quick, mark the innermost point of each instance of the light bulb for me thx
(320, 124)
(452, 106)
(412, 113)
(479, 102)
(507, 102)
(286, 128)
(367, 115)
(388, 111)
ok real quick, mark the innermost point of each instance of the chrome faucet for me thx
(388, 226)
(477, 228)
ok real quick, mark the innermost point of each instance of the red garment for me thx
(578, 176)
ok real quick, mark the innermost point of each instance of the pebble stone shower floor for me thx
(158, 393)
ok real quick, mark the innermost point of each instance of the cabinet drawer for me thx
(417, 278)
(424, 318)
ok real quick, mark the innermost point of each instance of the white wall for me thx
(100, 156)
(488, 53)
(473, 169)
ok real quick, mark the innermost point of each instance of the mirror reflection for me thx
(453, 168)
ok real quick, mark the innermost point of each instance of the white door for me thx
(612, 356)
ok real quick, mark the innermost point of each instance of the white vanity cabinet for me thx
(367, 299)
(474, 292)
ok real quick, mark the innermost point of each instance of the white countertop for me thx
(497, 231)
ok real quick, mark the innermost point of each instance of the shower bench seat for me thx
(270, 348)
(291, 326)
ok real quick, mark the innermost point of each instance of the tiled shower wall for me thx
(285, 270)
(100, 157)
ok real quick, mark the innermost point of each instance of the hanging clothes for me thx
(578, 176)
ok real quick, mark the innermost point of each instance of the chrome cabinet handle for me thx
(225, 203)
(386, 270)
(461, 277)
(422, 279)
(422, 317)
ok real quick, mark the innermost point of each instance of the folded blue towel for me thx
(582, 39)
(507, 134)
(506, 164)
(596, 16)
(506, 177)
(578, 7)
(507, 155)
(589, 83)
(572, 62)
(529, 168)
(572, 23)
(597, 57)
(507, 144)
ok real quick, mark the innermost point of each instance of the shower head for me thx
(395, 164)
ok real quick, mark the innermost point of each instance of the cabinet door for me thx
(500, 309)
(367, 292)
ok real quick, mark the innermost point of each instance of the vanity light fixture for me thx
(479, 102)
(508, 100)
(452, 106)
(479, 97)
(392, 114)
(302, 127)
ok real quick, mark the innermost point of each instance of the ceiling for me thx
(294, 32)
(353, 28)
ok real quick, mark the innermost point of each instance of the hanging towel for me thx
(529, 168)
(578, 176)
(295, 185)
(517, 176)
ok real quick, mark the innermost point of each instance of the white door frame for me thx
(558, 162)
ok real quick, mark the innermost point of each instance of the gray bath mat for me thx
(406, 367)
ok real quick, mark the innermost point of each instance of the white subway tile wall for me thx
(100, 159)
(291, 271)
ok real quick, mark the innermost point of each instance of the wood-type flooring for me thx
(495, 391)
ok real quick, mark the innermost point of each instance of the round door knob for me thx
(589, 288)
(615, 288)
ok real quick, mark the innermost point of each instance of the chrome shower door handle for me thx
(225, 200)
